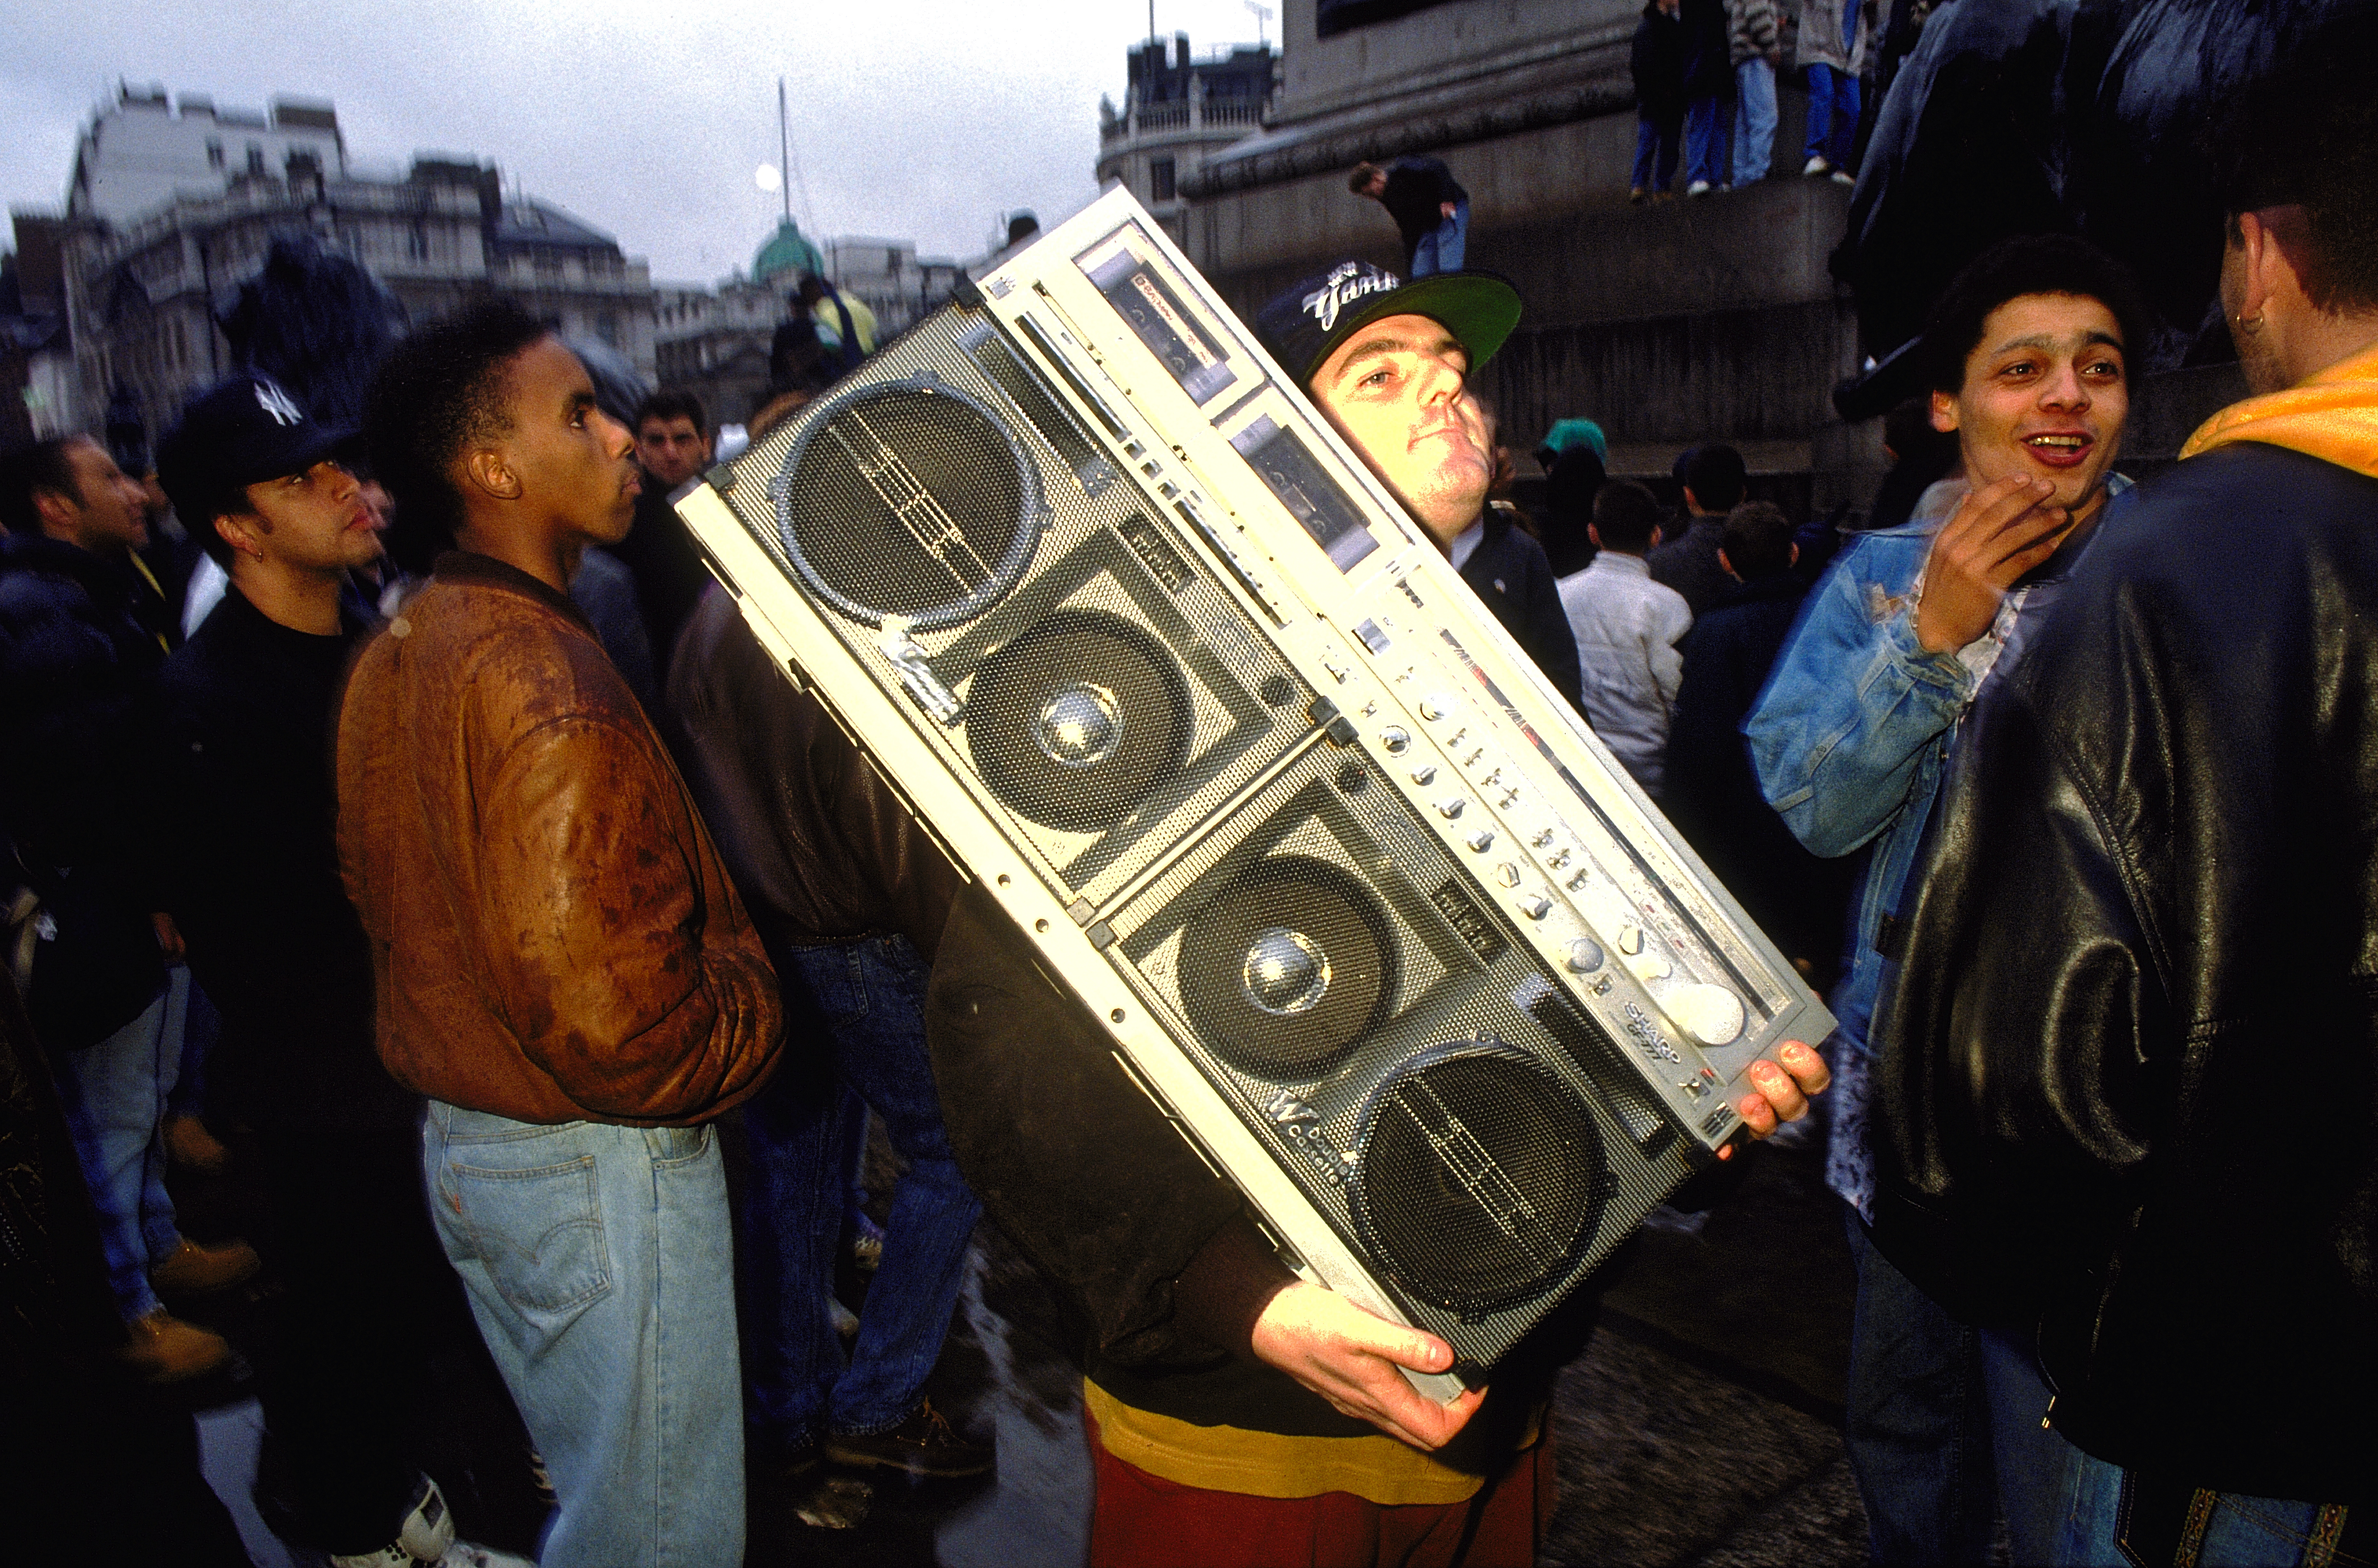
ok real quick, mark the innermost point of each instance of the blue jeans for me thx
(869, 997)
(1754, 119)
(1441, 250)
(2239, 1532)
(114, 1096)
(1655, 138)
(598, 1263)
(1704, 144)
(1833, 114)
(1943, 1426)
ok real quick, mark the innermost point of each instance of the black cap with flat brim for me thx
(243, 432)
(1303, 327)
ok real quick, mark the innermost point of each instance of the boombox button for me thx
(1425, 775)
(1631, 939)
(1480, 841)
(1710, 1014)
(1536, 907)
(1395, 739)
(1507, 873)
(1433, 708)
(1584, 955)
(1450, 807)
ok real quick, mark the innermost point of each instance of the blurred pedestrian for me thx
(1656, 60)
(1627, 627)
(1714, 478)
(1430, 210)
(1833, 49)
(1755, 47)
(1708, 78)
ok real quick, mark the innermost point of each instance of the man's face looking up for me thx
(1396, 392)
(672, 451)
(2044, 396)
(316, 520)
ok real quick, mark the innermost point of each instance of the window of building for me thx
(255, 158)
(416, 244)
(214, 152)
(1160, 179)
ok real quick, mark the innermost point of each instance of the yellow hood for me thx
(2333, 416)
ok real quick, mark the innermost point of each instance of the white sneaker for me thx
(1699, 187)
(424, 1537)
(1816, 166)
(1843, 177)
(465, 1554)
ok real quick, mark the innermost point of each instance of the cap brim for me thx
(1479, 308)
(327, 441)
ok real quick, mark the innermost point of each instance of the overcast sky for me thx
(911, 119)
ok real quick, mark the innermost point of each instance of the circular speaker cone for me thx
(1481, 1177)
(907, 498)
(1078, 720)
(1287, 968)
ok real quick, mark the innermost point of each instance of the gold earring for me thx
(2249, 324)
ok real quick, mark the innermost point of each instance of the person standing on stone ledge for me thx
(1430, 210)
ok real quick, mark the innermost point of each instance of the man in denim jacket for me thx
(1850, 739)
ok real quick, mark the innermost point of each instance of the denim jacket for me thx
(1850, 739)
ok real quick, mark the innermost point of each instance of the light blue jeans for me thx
(599, 1264)
(2239, 1532)
(114, 1096)
(1441, 249)
(1754, 120)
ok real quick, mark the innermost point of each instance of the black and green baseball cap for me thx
(1303, 327)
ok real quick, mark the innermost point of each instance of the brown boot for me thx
(163, 1348)
(192, 1270)
(191, 1146)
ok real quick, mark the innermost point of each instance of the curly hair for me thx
(2027, 264)
(444, 389)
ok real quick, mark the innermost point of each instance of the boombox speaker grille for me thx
(1481, 1179)
(1287, 968)
(908, 499)
(1078, 720)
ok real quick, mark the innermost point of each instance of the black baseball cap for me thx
(1304, 327)
(241, 433)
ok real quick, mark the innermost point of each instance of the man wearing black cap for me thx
(1389, 364)
(1240, 1415)
(253, 882)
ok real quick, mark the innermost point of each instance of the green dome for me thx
(786, 251)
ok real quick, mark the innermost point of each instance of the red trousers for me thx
(1140, 1521)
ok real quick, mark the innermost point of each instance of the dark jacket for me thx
(820, 847)
(1688, 564)
(553, 937)
(250, 872)
(660, 555)
(2127, 1090)
(1658, 64)
(1417, 190)
(1712, 790)
(1709, 67)
(1509, 572)
(78, 668)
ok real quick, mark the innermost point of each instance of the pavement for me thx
(1700, 1424)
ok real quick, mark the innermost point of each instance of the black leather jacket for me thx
(2129, 1077)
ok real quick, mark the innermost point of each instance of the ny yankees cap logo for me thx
(1346, 283)
(274, 402)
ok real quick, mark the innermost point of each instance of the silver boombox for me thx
(1365, 907)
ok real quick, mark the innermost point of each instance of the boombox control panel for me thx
(1363, 905)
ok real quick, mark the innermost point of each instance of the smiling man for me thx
(1851, 737)
(562, 967)
(1389, 364)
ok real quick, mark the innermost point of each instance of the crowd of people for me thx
(510, 868)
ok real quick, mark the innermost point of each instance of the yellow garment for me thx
(862, 320)
(2332, 416)
(1253, 1463)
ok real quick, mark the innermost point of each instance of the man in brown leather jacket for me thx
(561, 966)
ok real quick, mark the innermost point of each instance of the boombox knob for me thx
(1584, 955)
(1710, 1014)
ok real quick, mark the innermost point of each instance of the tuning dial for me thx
(1395, 739)
(1584, 955)
(1710, 1014)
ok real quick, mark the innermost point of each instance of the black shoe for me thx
(924, 1444)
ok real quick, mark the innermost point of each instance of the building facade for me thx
(1176, 112)
(140, 285)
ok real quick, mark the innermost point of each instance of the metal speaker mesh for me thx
(1287, 968)
(1078, 720)
(910, 498)
(1481, 1178)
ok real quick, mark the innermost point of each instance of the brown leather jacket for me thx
(820, 847)
(553, 937)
